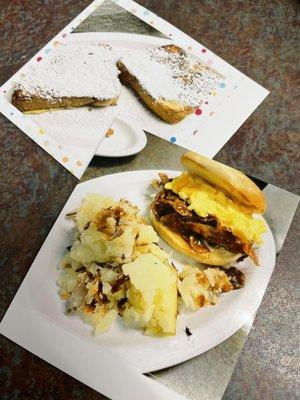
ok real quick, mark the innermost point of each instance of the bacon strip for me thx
(173, 212)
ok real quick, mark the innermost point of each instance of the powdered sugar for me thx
(171, 76)
(74, 70)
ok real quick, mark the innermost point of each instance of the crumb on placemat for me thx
(188, 332)
(109, 133)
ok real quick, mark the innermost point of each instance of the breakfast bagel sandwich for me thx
(210, 212)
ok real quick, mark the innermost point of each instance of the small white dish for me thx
(124, 141)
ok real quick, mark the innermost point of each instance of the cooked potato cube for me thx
(201, 288)
(153, 295)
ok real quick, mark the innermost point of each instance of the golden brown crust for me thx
(169, 111)
(26, 102)
(215, 257)
(172, 48)
(234, 183)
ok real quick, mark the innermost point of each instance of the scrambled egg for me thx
(205, 200)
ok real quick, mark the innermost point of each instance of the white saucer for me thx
(124, 141)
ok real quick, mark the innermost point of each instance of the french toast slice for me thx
(171, 83)
(73, 75)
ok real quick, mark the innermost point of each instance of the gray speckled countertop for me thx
(257, 37)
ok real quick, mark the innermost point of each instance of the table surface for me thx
(257, 37)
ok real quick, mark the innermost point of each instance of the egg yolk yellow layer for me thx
(205, 200)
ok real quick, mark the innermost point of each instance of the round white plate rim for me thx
(118, 37)
(140, 143)
(218, 337)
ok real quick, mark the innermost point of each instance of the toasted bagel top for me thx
(232, 182)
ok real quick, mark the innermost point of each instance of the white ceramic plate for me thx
(80, 131)
(209, 326)
(119, 39)
(125, 141)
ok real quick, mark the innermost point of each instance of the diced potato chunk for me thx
(153, 296)
(201, 288)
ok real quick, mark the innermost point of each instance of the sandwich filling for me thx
(205, 217)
